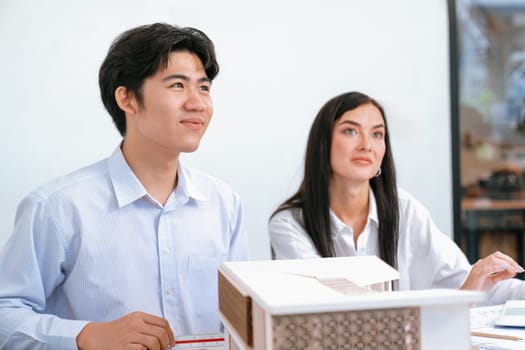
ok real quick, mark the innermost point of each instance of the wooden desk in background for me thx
(492, 215)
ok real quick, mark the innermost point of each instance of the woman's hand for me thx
(485, 273)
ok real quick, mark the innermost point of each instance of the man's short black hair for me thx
(140, 52)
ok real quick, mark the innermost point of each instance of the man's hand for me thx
(136, 330)
(487, 272)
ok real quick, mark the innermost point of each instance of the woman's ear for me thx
(126, 100)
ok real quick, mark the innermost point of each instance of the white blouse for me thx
(426, 257)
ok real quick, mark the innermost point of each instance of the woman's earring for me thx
(378, 172)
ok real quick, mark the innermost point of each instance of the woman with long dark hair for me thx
(348, 204)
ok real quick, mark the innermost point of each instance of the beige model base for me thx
(276, 305)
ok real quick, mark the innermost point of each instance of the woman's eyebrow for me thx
(351, 122)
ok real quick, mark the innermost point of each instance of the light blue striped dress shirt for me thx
(94, 246)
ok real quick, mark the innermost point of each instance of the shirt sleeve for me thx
(437, 253)
(30, 270)
(288, 238)
(430, 259)
(507, 290)
(451, 267)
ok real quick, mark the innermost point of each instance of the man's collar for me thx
(128, 187)
(187, 186)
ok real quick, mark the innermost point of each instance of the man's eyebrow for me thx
(185, 78)
(351, 122)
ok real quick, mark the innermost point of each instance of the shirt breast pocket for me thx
(202, 275)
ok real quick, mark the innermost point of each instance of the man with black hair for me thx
(123, 254)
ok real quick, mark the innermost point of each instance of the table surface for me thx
(482, 320)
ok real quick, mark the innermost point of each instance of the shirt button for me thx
(166, 250)
(169, 291)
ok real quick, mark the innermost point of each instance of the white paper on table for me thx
(482, 319)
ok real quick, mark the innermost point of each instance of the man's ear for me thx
(126, 100)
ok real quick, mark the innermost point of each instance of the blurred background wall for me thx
(280, 62)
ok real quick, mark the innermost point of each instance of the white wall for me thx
(280, 61)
